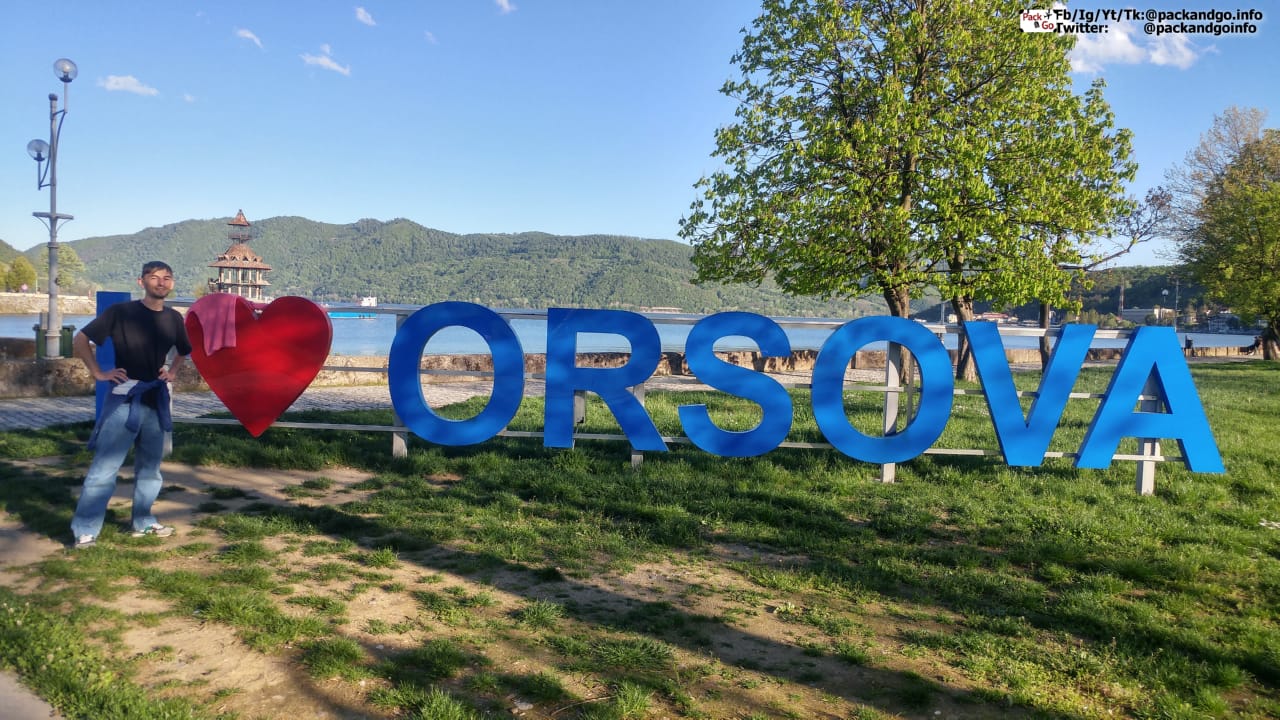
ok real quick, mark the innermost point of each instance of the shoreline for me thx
(32, 303)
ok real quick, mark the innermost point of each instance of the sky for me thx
(570, 117)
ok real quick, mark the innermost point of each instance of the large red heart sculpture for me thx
(261, 362)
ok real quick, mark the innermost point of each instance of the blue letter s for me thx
(772, 398)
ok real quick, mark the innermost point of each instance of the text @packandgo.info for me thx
(1154, 21)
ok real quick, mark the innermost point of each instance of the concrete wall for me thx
(32, 303)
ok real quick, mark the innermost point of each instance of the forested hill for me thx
(403, 262)
(7, 252)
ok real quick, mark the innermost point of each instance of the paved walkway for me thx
(31, 413)
(20, 703)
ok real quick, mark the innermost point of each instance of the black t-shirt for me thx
(141, 337)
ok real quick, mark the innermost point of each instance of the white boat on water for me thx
(369, 301)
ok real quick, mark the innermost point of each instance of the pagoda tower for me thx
(240, 271)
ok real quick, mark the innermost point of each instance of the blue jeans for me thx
(114, 443)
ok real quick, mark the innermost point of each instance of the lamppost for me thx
(47, 176)
(1165, 304)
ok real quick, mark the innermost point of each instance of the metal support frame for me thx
(899, 408)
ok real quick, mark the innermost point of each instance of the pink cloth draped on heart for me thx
(217, 315)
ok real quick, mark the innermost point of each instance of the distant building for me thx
(240, 271)
(1138, 316)
(1223, 322)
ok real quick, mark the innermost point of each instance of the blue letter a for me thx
(1152, 352)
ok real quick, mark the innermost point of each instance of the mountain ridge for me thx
(402, 261)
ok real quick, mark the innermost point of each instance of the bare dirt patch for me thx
(737, 649)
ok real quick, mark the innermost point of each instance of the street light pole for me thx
(40, 150)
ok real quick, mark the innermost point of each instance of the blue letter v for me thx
(1024, 442)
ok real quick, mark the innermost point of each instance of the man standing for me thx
(136, 412)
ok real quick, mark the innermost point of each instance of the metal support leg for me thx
(1150, 447)
(892, 374)
(637, 457)
(399, 439)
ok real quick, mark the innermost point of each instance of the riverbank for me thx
(35, 303)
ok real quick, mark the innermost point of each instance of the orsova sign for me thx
(1152, 354)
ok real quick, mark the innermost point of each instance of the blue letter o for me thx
(406, 386)
(936, 391)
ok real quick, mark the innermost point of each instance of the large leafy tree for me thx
(21, 273)
(70, 266)
(887, 146)
(1232, 246)
(1045, 180)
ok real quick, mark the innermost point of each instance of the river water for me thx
(373, 336)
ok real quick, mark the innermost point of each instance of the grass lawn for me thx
(509, 579)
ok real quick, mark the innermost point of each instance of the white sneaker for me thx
(85, 541)
(157, 530)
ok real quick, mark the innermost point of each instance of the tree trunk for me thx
(1046, 312)
(899, 302)
(966, 368)
(1271, 342)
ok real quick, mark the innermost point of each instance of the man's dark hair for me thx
(154, 265)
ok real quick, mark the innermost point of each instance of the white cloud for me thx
(325, 61)
(188, 97)
(248, 35)
(363, 16)
(430, 36)
(1173, 50)
(1119, 46)
(1096, 50)
(326, 49)
(126, 83)
(506, 6)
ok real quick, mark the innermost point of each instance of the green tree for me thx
(21, 272)
(882, 147)
(1046, 178)
(1190, 181)
(70, 266)
(1234, 247)
(1138, 223)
